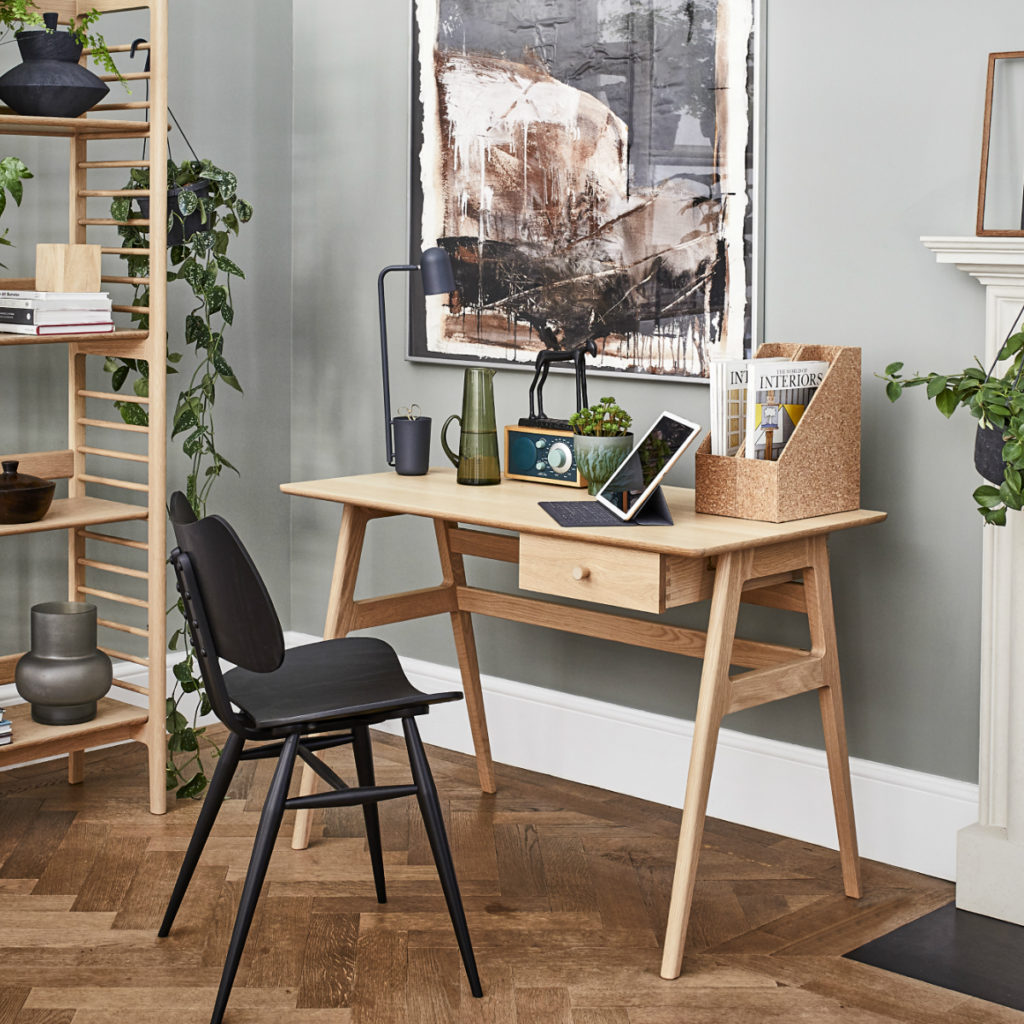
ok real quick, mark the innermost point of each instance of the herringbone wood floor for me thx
(566, 890)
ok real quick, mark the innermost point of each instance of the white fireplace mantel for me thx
(990, 853)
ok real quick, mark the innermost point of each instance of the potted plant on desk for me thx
(601, 440)
(997, 402)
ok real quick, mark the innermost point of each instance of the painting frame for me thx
(419, 350)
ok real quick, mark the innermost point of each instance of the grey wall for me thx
(873, 122)
(236, 110)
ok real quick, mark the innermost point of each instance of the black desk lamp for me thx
(438, 279)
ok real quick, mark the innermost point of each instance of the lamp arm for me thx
(385, 372)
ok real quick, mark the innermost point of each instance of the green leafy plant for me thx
(19, 15)
(202, 263)
(605, 419)
(997, 402)
(12, 173)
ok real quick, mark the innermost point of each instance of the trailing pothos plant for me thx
(997, 402)
(201, 261)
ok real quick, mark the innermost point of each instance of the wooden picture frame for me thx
(1012, 96)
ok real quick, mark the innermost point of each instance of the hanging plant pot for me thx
(50, 82)
(181, 226)
(988, 454)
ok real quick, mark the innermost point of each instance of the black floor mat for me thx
(954, 949)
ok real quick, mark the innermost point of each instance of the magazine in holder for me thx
(653, 512)
(817, 473)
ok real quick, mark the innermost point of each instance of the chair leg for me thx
(222, 776)
(364, 772)
(270, 822)
(430, 808)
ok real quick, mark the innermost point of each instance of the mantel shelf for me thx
(66, 513)
(987, 258)
(66, 127)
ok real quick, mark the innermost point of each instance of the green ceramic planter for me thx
(599, 457)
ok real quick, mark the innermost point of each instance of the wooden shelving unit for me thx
(115, 472)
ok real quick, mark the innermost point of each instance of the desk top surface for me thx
(513, 505)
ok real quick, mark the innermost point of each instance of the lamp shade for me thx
(436, 271)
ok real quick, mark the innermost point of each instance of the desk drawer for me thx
(592, 572)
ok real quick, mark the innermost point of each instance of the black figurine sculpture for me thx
(545, 357)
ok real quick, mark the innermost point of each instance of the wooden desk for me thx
(651, 568)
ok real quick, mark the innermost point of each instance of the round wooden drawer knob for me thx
(580, 572)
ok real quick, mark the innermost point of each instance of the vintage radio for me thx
(541, 454)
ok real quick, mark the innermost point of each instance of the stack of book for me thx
(28, 312)
(756, 404)
(6, 730)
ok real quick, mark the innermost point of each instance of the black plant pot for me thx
(988, 454)
(50, 82)
(181, 229)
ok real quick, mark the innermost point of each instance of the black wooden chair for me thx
(295, 703)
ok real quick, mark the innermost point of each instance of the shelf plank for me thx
(69, 512)
(91, 340)
(114, 721)
(18, 124)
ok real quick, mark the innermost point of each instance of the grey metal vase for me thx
(63, 675)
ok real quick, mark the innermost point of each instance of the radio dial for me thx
(541, 441)
(560, 457)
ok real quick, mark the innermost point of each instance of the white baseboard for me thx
(905, 818)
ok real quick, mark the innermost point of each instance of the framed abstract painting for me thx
(589, 167)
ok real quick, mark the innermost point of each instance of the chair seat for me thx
(350, 677)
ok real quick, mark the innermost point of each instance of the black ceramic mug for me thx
(412, 445)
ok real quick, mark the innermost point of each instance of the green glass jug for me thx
(477, 461)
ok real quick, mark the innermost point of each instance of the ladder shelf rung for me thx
(109, 596)
(113, 396)
(114, 425)
(120, 570)
(120, 626)
(107, 538)
(121, 656)
(111, 193)
(107, 453)
(141, 222)
(134, 687)
(107, 481)
(87, 164)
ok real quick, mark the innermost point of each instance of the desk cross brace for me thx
(765, 575)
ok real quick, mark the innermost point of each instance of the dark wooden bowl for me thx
(23, 498)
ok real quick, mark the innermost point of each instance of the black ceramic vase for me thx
(50, 82)
(988, 454)
(63, 674)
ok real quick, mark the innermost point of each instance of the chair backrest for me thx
(239, 615)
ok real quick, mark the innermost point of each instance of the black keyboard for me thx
(581, 513)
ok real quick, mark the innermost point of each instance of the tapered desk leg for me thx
(339, 622)
(820, 618)
(454, 573)
(711, 706)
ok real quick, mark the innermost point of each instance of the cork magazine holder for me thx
(818, 471)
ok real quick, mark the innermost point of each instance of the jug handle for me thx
(444, 440)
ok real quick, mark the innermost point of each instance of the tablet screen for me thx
(630, 485)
